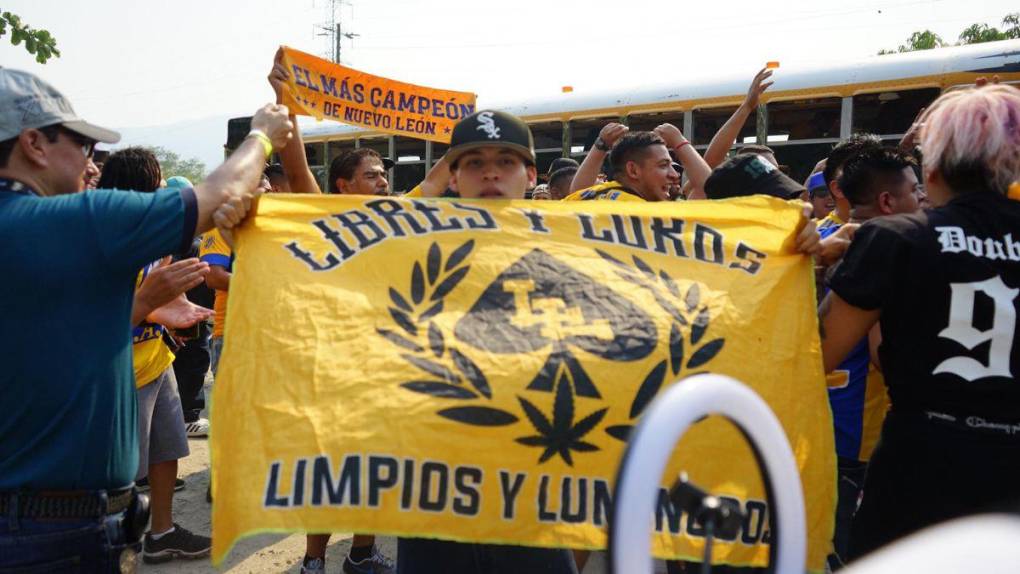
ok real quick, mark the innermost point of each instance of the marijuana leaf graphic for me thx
(561, 435)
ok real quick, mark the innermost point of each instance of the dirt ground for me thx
(267, 552)
(259, 554)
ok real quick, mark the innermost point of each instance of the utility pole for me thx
(333, 29)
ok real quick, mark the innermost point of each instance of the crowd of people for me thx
(110, 292)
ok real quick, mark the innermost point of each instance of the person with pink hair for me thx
(942, 285)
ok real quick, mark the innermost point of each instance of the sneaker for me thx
(143, 484)
(197, 429)
(374, 564)
(180, 543)
(313, 566)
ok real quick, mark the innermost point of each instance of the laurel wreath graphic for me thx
(427, 347)
(687, 314)
(452, 375)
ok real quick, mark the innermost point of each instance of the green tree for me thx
(978, 33)
(38, 42)
(920, 40)
(923, 40)
(172, 164)
(1011, 25)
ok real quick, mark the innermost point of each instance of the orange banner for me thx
(324, 90)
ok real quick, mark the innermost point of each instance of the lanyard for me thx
(13, 186)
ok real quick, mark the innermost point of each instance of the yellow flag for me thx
(470, 370)
(324, 90)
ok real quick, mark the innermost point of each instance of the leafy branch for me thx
(37, 42)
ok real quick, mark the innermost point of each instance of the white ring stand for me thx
(652, 443)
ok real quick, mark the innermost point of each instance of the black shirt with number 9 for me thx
(947, 282)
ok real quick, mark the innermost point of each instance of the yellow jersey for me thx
(215, 251)
(149, 353)
(608, 191)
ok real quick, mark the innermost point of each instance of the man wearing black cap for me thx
(560, 163)
(68, 438)
(750, 174)
(559, 182)
(491, 156)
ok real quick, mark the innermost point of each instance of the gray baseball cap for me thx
(27, 102)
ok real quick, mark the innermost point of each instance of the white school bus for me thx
(802, 115)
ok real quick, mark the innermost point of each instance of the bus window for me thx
(438, 149)
(321, 174)
(409, 150)
(410, 168)
(313, 151)
(804, 119)
(338, 147)
(708, 121)
(406, 176)
(800, 159)
(548, 136)
(583, 134)
(543, 159)
(380, 144)
(650, 121)
(890, 113)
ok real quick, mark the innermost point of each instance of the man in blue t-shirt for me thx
(68, 440)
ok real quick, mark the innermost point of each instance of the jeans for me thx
(190, 367)
(34, 545)
(215, 350)
(851, 482)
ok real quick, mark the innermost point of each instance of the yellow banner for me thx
(469, 370)
(324, 90)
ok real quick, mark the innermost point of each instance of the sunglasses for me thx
(88, 146)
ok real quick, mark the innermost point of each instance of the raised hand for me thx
(670, 134)
(758, 86)
(278, 76)
(272, 120)
(610, 134)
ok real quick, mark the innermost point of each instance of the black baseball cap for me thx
(750, 174)
(491, 128)
(560, 163)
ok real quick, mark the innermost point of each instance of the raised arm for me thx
(436, 180)
(231, 187)
(727, 134)
(694, 165)
(293, 158)
(592, 164)
(842, 326)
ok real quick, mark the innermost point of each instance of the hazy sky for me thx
(189, 63)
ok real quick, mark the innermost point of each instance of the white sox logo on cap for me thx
(488, 124)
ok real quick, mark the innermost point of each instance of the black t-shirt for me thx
(200, 294)
(947, 282)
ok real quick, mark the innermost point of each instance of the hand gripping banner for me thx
(324, 90)
(470, 370)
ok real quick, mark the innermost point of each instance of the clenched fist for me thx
(272, 120)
